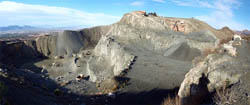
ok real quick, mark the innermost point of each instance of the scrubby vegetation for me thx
(208, 51)
(225, 40)
(224, 96)
(150, 14)
(58, 92)
(246, 38)
(171, 101)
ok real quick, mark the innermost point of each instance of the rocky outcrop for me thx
(46, 45)
(110, 60)
(135, 31)
(185, 25)
(93, 35)
(215, 71)
(69, 42)
(13, 53)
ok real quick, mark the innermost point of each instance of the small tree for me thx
(154, 14)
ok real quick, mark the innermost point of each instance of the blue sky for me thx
(87, 13)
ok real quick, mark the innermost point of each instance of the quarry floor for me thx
(151, 78)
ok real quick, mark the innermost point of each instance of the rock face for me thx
(109, 61)
(138, 36)
(215, 71)
(69, 42)
(61, 44)
(12, 53)
(46, 45)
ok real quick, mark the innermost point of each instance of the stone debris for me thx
(237, 37)
(110, 60)
(43, 69)
(56, 64)
(230, 49)
(112, 95)
(88, 53)
(59, 78)
(237, 40)
(80, 77)
(3, 70)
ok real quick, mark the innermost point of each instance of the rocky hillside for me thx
(60, 45)
(244, 32)
(140, 53)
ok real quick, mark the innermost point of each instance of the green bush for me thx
(58, 92)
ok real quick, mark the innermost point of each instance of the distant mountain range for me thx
(16, 28)
(27, 28)
(244, 32)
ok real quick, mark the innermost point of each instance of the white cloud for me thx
(160, 1)
(13, 13)
(221, 15)
(137, 3)
(193, 3)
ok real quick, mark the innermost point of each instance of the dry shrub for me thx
(247, 38)
(225, 40)
(197, 60)
(58, 92)
(115, 87)
(224, 96)
(171, 101)
(208, 51)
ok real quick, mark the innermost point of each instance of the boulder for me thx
(110, 60)
(215, 71)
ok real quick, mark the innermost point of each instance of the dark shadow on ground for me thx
(29, 88)
(153, 97)
(198, 92)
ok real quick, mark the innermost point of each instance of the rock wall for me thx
(46, 45)
(17, 52)
(70, 42)
(138, 20)
(110, 60)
